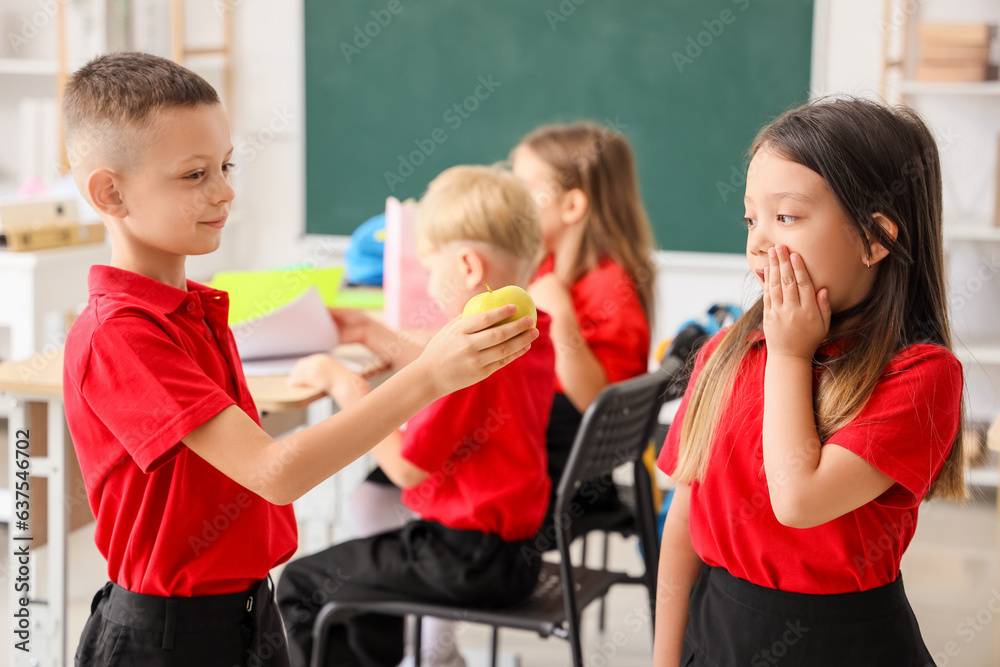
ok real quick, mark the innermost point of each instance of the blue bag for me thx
(363, 259)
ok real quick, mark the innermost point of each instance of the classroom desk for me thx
(32, 390)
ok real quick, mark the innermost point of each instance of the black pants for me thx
(735, 622)
(423, 560)
(233, 630)
(594, 495)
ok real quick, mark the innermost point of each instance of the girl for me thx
(813, 428)
(596, 280)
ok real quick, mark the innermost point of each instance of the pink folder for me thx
(404, 280)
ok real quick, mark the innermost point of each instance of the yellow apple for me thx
(491, 299)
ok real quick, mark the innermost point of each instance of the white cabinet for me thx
(965, 119)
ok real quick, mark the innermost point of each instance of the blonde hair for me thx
(114, 96)
(599, 162)
(478, 203)
(875, 159)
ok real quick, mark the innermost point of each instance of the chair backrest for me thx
(615, 430)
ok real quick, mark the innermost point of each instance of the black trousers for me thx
(233, 630)
(594, 495)
(424, 560)
(734, 622)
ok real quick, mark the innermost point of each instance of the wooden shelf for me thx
(970, 88)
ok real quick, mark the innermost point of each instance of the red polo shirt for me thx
(146, 364)
(611, 319)
(484, 447)
(906, 431)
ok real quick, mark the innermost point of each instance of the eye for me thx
(227, 167)
(749, 222)
(195, 176)
(787, 219)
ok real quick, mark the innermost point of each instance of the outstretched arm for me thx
(323, 372)
(398, 348)
(809, 484)
(465, 351)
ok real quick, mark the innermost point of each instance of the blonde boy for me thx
(164, 427)
(472, 465)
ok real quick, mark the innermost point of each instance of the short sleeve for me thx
(907, 428)
(669, 455)
(146, 389)
(616, 330)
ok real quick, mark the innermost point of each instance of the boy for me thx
(472, 465)
(164, 427)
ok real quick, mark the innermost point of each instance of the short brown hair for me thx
(478, 203)
(114, 95)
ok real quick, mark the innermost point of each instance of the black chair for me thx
(677, 363)
(616, 428)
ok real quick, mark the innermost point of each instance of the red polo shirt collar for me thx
(199, 300)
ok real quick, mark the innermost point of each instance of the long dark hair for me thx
(875, 159)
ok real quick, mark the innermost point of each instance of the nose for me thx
(759, 238)
(218, 190)
(224, 192)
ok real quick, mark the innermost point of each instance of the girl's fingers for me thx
(823, 299)
(767, 290)
(787, 277)
(803, 283)
(774, 278)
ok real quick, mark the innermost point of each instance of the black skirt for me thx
(734, 622)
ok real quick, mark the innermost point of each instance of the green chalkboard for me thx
(398, 90)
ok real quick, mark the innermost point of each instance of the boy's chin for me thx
(204, 249)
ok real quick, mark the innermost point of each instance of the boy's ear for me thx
(879, 251)
(472, 267)
(573, 206)
(104, 192)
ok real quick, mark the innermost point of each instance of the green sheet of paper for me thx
(367, 298)
(256, 293)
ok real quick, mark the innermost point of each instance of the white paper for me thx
(297, 329)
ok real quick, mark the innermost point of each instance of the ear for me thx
(104, 192)
(573, 206)
(878, 251)
(472, 267)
